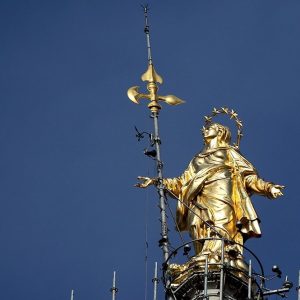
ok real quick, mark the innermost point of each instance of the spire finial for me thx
(151, 77)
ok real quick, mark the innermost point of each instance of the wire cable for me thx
(146, 240)
(213, 227)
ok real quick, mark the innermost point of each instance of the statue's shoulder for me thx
(238, 158)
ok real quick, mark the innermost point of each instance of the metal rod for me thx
(276, 292)
(205, 277)
(222, 271)
(250, 279)
(114, 289)
(262, 285)
(162, 199)
(147, 32)
(72, 294)
(155, 282)
(299, 286)
(160, 189)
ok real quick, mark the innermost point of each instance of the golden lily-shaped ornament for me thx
(153, 78)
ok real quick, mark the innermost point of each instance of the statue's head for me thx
(216, 130)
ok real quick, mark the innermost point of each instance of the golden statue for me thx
(214, 197)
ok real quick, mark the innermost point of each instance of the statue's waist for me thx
(218, 175)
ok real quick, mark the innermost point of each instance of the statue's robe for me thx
(216, 188)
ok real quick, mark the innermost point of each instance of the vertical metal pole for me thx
(114, 289)
(205, 277)
(162, 198)
(299, 286)
(160, 189)
(153, 79)
(72, 294)
(155, 282)
(250, 279)
(222, 271)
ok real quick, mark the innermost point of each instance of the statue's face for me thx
(210, 132)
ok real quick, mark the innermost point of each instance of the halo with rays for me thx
(233, 116)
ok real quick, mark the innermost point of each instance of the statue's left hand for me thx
(276, 190)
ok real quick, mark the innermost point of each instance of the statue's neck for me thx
(212, 144)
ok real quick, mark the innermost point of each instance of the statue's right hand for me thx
(145, 182)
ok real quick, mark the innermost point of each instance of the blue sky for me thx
(69, 158)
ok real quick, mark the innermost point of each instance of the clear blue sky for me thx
(69, 215)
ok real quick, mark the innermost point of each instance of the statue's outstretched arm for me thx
(259, 186)
(172, 184)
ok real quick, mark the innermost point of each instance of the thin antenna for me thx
(114, 289)
(299, 286)
(146, 242)
(205, 277)
(155, 282)
(147, 32)
(250, 280)
(72, 294)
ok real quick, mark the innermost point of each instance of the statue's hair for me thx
(226, 134)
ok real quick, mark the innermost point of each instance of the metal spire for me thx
(147, 31)
(152, 77)
(153, 80)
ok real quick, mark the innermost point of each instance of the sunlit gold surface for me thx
(171, 99)
(134, 95)
(215, 190)
(153, 79)
(151, 76)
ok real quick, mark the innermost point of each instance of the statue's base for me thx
(193, 288)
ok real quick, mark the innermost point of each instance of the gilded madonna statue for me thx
(214, 197)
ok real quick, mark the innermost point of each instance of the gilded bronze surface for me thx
(214, 201)
(153, 79)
